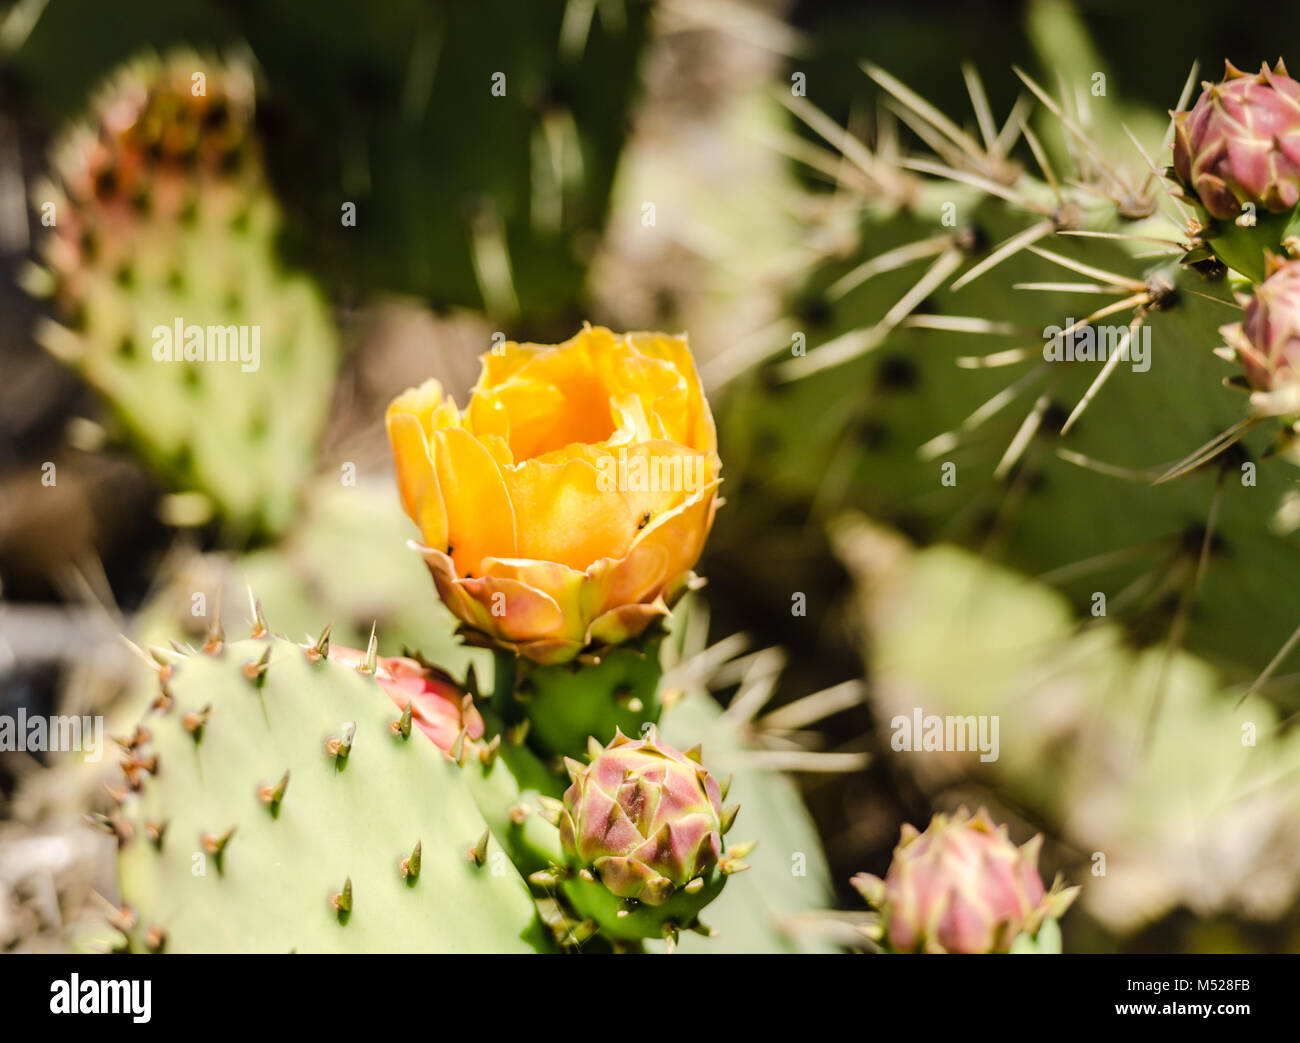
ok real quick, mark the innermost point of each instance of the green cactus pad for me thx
(170, 221)
(317, 869)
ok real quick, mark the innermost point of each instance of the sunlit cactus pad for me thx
(245, 861)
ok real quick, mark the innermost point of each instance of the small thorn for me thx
(519, 813)
(215, 844)
(255, 671)
(342, 900)
(216, 640)
(118, 826)
(552, 809)
(488, 754)
(410, 866)
(457, 753)
(155, 831)
(478, 853)
(517, 733)
(670, 936)
(741, 850)
(273, 795)
(133, 765)
(402, 726)
(155, 938)
(340, 747)
(703, 929)
(123, 919)
(622, 912)
(116, 795)
(194, 721)
(587, 875)
(725, 787)
(259, 622)
(137, 738)
(321, 649)
(544, 878)
(729, 818)
(695, 886)
(372, 653)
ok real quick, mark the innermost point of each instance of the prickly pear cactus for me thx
(1028, 355)
(169, 298)
(1141, 815)
(282, 801)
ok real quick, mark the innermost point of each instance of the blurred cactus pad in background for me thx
(924, 584)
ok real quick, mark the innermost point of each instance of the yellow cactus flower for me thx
(566, 506)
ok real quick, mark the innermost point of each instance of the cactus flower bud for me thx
(642, 824)
(961, 886)
(1267, 339)
(565, 507)
(1240, 143)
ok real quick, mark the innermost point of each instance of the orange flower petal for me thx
(479, 515)
(626, 621)
(637, 577)
(514, 610)
(682, 531)
(564, 585)
(701, 433)
(566, 514)
(416, 479)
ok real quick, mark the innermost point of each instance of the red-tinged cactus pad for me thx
(642, 826)
(438, 707)
(961, 886)
(283, 806)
